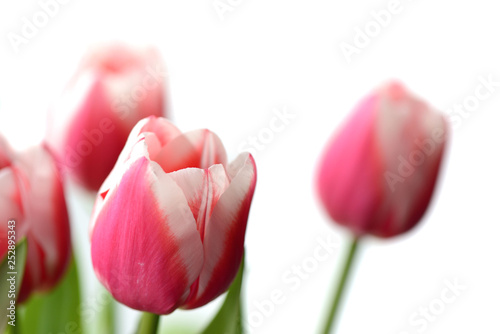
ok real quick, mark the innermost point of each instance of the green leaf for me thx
(57, 311)
(19, 258)
(228, 319)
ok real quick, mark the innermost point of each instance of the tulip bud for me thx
(169, 222)
(378, 173)
(114, 88)
(31, 195)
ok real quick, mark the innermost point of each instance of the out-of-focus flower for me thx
(113, 89)
(169, 222)
(31, 195)
(377, 174)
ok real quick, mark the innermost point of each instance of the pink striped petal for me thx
(145, 246)
(225, 233)
(46, 218)
(202, 189)
(144, 141)
(405, 125)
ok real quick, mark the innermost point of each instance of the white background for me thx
(229, 74)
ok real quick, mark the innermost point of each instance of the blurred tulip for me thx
(114, 88)
(169, 222)
(378, 173)
(31, 194)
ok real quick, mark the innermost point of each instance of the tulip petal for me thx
(5, 153)
(145, 246)
(138, 146)
(13, 195)
(349, 170)
(406, 129)
(148, 128)
(10, 207)
(161, 127)
(134, 80)
(202, 189)
(114, 58)
(93, 133)
(46, 217)
(198, 149)
(225, 233)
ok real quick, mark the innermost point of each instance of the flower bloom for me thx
(31, 195)
(169, 222)
(114, 88)
(377, 175)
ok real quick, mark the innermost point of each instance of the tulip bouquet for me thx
(168, 225)
(167, 228)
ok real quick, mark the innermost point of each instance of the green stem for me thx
(13, 329)
(106, 319)
(148, 323)
(330, 321)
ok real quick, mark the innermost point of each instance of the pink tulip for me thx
(114, 88)
(378, 173)
(31, 194)
(169, 222)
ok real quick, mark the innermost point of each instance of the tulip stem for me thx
(148, 323)
(330, 321)
(12, 329)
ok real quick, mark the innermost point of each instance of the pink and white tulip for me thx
(32, 195)
(377, 174)
(169, 222)
(114, 88)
